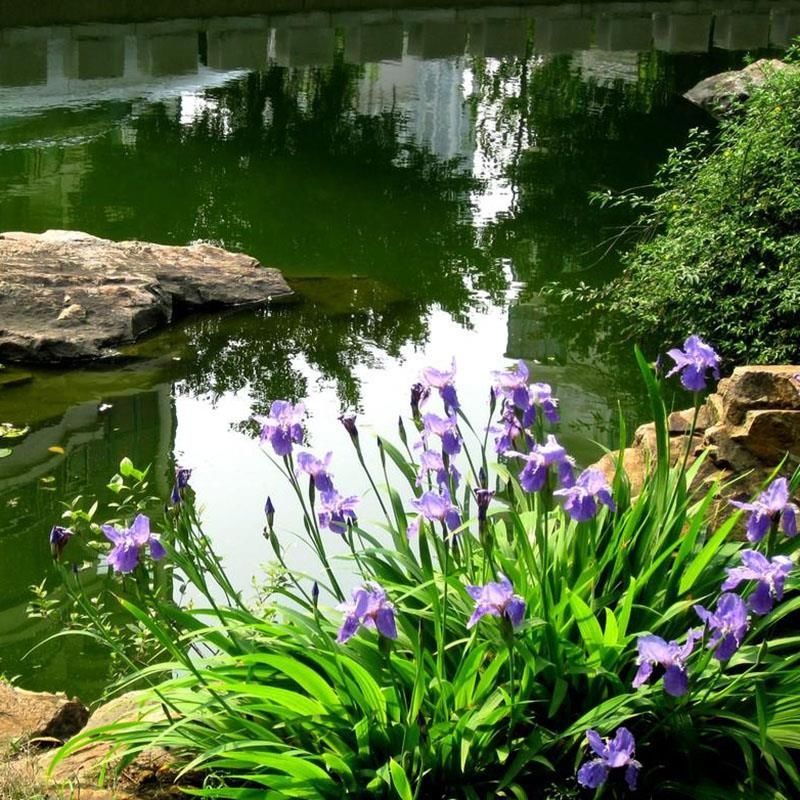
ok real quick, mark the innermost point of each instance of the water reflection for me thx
(418, 176)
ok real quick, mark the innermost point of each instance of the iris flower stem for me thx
(375, 491)
(314, 530)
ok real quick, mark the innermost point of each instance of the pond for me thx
(417, 176)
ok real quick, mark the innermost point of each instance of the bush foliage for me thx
(721, 250)
(417, 703)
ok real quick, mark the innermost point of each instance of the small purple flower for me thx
(419, 394)
(510, 431)
(513, 385)
(369, 607)
(431, 461)
(771, 576)
(581, 499)
(669, 657)
(446, 429)
(616, 753)
(129, 542)
(269, 512)
(728, 625)
(283, 427)
(693, 362)
(771, 506)
(538, 462)
(540, 397)
(438, 508)
(349, 423)
(496, 600)
(317, 470)
(337, 511)
(442, 380)
(182, 475)
(58, 540)
(483, 497)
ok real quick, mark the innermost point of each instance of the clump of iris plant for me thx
(727, 624)
(612, 753)
(283, 426)
(657, 656)
(582, 498)
(370, 607)
(694, 363)
(770, 576)
(771, 507)
(496, 599)
(129, 543)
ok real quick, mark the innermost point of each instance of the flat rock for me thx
(719, 94)
(69, 296)
(38, 717)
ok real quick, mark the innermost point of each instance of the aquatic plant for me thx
(495, 627)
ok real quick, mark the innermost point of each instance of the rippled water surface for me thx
(418, 176)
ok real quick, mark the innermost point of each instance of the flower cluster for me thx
(771, 508)
(613, 753)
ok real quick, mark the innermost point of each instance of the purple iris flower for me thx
(482, 498)
(496, 600)
(581, 499)
(771, 576)
(58, 540)
(419, 394)
(438, 508)
(616, 753)
(513, 385)
(728, 625)
(269, 511)
(669, 657)
(349, 423)
(510, 431)
(442, 380)
(431, 461)
(693, 362)
(446, 429)
(129, 542)
(182, 475)
(538, 462)
(771, 506)
(369, 607)
(540, 396)
(283, 426)
(317, 470)
(337, 511)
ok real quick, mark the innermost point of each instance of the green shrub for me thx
(275, 707)
(721, 250)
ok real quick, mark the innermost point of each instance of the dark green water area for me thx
(418, 176)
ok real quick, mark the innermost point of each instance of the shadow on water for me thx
(417, 176)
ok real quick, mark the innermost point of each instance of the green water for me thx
(417, 205)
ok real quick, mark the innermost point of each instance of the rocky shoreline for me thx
(67, 296)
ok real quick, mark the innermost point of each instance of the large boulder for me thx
(38, 717)
(746, 429)
(719, 94)
(69, 296)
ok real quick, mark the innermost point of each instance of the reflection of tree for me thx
(279, 164)
(259, 351)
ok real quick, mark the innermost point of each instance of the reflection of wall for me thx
(103, 57)
(34, 482)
